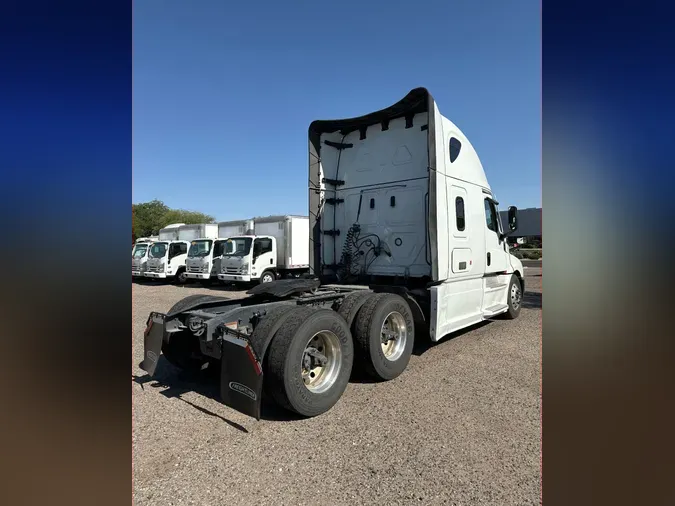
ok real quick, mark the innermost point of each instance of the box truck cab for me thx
(406, 244)
(202, 237)
(139, 256)
(167, 255)
(278, 248)
(205, 254)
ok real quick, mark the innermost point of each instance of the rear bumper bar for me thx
(241, 376)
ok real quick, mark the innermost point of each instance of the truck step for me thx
(493, 310)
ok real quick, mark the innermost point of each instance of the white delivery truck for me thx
(406, 244)
(205, 254)
(139, 256)
(202, 237)
(278, 248)
(166, 257)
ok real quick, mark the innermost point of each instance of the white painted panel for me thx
(462, 261)
(299, 244)
(198, 231)
(386, 164)
(454, 305)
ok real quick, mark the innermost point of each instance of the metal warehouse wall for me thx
(529, 222)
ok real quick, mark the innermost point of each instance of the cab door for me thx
(495, 279)
(264, 255)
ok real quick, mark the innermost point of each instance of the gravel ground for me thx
(462, 425)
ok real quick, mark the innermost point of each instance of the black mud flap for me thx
(241, 376)
(152, 340)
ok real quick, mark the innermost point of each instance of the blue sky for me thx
(224, 91)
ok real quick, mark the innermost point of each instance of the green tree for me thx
(148, 218)
(187, 217)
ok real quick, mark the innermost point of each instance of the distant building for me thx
(529, 224)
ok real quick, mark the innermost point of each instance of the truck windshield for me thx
(158, 250)
(139, 251)
(218, 248)
(200, 248)
(238, 247)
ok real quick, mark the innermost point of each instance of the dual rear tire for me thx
(309, 361)
(310, 358)
(384, 335)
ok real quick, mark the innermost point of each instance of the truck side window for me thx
(455, 147)
(183, 248)
(265, 245)
(459, 212)
(490, 215)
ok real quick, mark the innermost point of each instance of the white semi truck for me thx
(139, 256)
(205, 253)
(277, 248)
(405, 244)
(167, 255)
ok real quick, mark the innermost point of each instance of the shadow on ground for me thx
(173, 383)
(215, 286)
(532, 300)
(425, 343)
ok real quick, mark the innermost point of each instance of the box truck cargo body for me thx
(404, 243)
(227, 229)
(170, 232)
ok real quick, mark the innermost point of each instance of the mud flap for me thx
(152, 341)
(241, 376)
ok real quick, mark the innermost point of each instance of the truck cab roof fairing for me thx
(418, 100)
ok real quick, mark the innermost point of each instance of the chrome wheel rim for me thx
(515, 296)
(393, 336)
(267, 278)
(321, 362)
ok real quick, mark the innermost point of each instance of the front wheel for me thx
(267, 277)
(514, 298)
(181, 277)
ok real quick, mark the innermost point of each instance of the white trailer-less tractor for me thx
(406, 242)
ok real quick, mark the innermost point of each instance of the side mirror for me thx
(513, 218)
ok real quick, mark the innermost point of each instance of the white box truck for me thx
(139, 256)
(405, 244)
(198, 264)
(278, 248)
(167, 255)
(204, 255)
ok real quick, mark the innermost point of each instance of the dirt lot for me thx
(461, 426)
